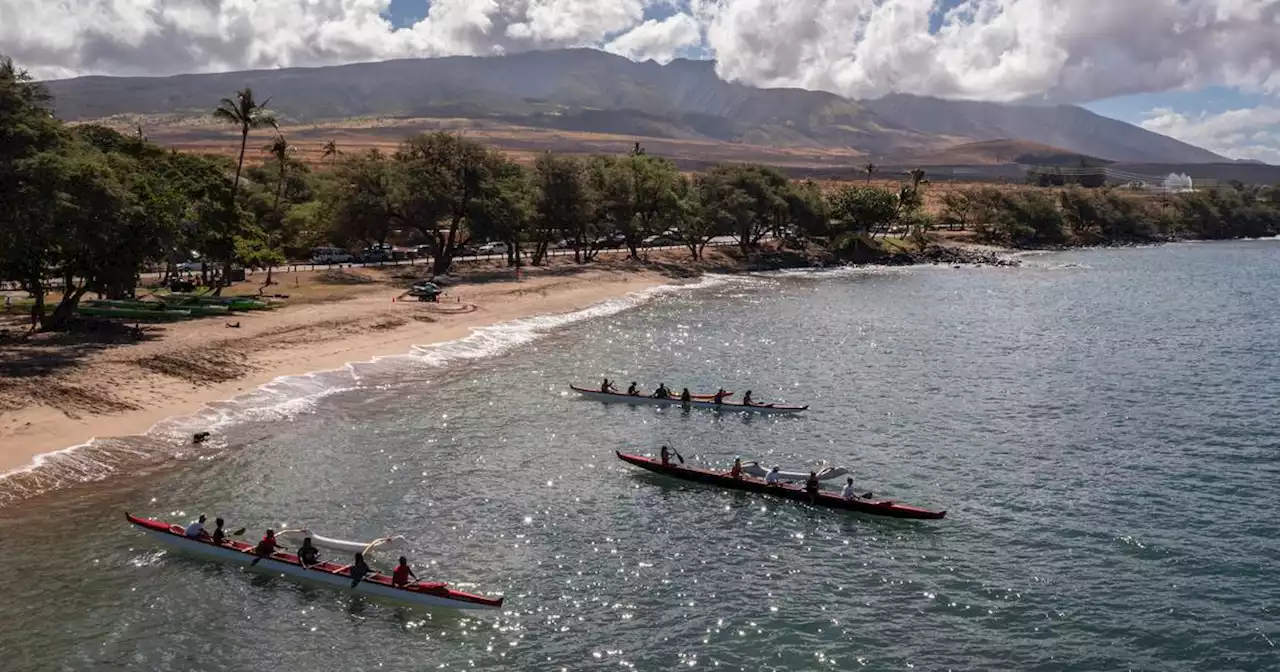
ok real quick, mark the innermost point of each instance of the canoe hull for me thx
(616, 398)
(879, 508)
(375, 585)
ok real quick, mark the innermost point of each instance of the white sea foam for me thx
(287, 397)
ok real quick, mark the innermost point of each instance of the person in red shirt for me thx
(400, 577)
(266, 547)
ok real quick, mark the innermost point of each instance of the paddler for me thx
(266, 546)
(308, 554)
(665, 455)
(719, 398)
(633, 391)
(195, 530)
(662, 392)
(773, 476)
(685, 396)
(811, 486)
(847, 491)
(746, 398)
(219, 534)
(607, 386)
(736, 470)
(400, 576)
(359, 570)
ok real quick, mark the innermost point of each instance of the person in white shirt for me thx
(195, 530)
(771, 478)
(847, 491)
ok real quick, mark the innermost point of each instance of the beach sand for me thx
(58, 391)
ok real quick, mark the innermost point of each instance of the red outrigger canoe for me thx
(877, 507)
(433, 594)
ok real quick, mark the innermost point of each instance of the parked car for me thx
(611, 241)
(566, 244)
(493, 248)
(661, 240)
(191, 266)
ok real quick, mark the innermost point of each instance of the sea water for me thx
(1099, 425)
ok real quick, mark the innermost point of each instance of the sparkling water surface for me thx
(1100, 426)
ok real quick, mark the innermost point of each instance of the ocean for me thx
(1098, 424)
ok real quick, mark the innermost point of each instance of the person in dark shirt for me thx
(359, 570)
(686, 396)
(633, 390)
(219, 534)
(811, 487)
(308, 554)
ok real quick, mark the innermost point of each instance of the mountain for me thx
(1067, 126)
(589, 90)
(1001, 152)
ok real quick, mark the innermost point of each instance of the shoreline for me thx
(179, 369)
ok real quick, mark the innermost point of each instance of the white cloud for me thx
(1249, 133)
(1069, 50)
(658, 40)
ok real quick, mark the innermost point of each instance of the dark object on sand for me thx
(233, 325)
(199, 437)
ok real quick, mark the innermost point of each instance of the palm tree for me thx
(917, 176)
(331, 150)
(870, 170)
(248, 114)
(280, 149)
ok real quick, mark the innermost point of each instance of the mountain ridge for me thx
(586, 89)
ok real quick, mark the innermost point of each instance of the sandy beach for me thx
(59, 391)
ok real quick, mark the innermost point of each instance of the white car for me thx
(492, 248)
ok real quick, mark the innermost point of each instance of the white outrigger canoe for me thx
(431, 594)
(618, 397)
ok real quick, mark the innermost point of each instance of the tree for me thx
(758, 208)
(859, 212)
(331, 151)
(443, 176)
(279, 150)
(506, 212)
(249, 115)
(365, 199)
(869, 169)
(563, 202)
(652, 189)
(702, 211)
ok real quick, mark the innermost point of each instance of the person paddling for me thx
(685, 396)
(400, 577)
(266, 547)
(811, 486)
(633, 391)
(359, 570)
(607, 386)
(746, 399)
(772, 477)
(195, 530)
(219, 534)
(665, 455)
(719, 398)
(308, 554)
(662, 392)
(736, 470)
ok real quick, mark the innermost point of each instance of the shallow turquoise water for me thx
(1099, 425)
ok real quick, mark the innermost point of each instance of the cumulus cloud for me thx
(658, 40)
(1249, 133)
(1061, 50)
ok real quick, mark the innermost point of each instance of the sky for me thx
(1203, 71)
